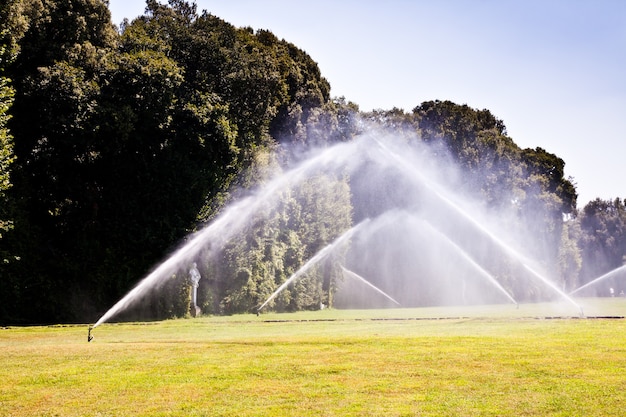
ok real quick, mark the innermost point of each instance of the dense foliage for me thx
(603, 240)
(6, 156)
(116, 143)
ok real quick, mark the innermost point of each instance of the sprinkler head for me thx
(89, 336)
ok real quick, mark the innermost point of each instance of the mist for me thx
(418, 236)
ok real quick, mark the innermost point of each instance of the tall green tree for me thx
(570, 255)
(527, 182)
(59, 48)
(6, 157)
(477, 142)
(7, 50)
(122, 141)
(548, 196)
(276, 243)
(603, 237)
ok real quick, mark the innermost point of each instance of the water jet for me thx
(599, 279)
(440, 194)
(380, 166)
(472, 263)
(354, 275)
(327, 250)
(229, 222)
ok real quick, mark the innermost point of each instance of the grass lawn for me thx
(471, 362)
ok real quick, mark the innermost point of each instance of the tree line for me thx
(116, 142)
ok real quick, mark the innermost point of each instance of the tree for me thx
(528, 183)
(58, 51)
(123, 141)
(458, 127)
(10, 31)
(113, 146)
(325, 213)
(603, 237)
(570, 257)
(477, 143)
(306, 92)
(276, 243)
(547, 197)
(7, 156)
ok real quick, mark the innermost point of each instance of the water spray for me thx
(471, 261)
(601, 278)
(555, 288)
(235, 217)
(231, 221)
(354, 275)
(443, 197)
(318, 257)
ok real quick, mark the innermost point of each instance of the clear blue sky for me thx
(553, 70)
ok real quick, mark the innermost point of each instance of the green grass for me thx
(471, 362)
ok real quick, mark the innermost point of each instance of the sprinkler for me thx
(89, 336)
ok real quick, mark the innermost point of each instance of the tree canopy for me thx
(115, 143)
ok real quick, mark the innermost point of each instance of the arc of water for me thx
(441, 195)
(172, 264)
(554, 287)
(318, 257)
(358, 277)
(435, 190)
(227, 224)
(471, 261)
(600, 278)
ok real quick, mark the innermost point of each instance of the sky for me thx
(554, 71)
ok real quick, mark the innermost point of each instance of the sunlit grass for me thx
(362, 363)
